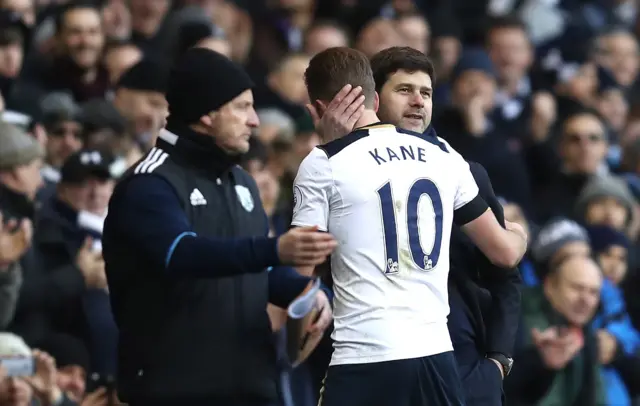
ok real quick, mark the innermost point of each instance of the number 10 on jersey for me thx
(423, 260)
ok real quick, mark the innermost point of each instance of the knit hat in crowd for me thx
(57, 107)
(17, 147)
(99, 114)
(193, 32)
(474, 59)
(12, 345)
(554, 235)
(147, 75)
(66, 350)
(605, 186)
(203, 81)
(603, 237)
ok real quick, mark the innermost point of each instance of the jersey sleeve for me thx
(468, 204)
(467, 188)
(312, 190)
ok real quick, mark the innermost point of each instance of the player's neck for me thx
(368, 117)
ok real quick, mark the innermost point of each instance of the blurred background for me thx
(543, 93)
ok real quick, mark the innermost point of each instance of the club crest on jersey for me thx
(297, 199)
(392, 266)
(244, 195)
(428, 264)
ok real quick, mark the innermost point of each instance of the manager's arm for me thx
(148, 215)
(504, 285)
(504, 248)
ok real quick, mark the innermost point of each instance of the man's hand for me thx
(543, 115)
(556, 348)
(326, 314)
(475, 117)
(339, 117)
(91, 264)
(15, 240)
(44, 381)
(99, 397)
(607, 346)
(305, 246)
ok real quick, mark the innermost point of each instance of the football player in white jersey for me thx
(403, 77)
(390, 196)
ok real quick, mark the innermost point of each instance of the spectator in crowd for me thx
(606, 201)
(62, 121)
(139, 97)
(13, 43)
(618, 340)
(72, 364)
(583, 148)
(119, 57)
(70, 232)
(557, 341)
(76, 66)
(323, 35)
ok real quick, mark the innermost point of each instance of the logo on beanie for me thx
(244, 195)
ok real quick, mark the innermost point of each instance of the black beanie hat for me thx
(147, 75)
(203, 81)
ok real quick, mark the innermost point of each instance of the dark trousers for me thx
(426, 381)
(482, 383)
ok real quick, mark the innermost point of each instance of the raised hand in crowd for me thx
(474, 112)
(99, 397)
(305, 246)
(15, 240)
(91, 264)
(607, 346)
(557, 347)
(543, 115)
(338, 118)
(44, 381)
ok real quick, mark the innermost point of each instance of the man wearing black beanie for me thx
(189, 263)
(140, 98)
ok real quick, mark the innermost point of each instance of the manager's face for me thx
(234, 123)
(405, 100)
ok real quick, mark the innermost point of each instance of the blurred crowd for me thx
(543, 93)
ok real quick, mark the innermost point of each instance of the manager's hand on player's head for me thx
(338, 118)
(305, 246)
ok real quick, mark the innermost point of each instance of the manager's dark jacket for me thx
(187, 262)
(485, 307)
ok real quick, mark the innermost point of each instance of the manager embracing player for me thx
(390, 197)
(482, 326)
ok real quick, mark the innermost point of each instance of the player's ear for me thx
(320, 107)
(376, 102)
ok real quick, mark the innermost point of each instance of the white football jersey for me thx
(388, 197)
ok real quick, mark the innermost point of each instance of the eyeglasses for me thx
(576, 138)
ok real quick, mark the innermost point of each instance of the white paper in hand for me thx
(305, 303)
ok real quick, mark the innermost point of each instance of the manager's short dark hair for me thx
(388, 61)
(332, 69)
